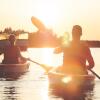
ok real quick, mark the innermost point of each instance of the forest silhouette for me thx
(40, 39)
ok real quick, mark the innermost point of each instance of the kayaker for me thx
(12, 54)
(76, 55)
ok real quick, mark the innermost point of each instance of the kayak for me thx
(14, 68)
(58, 79)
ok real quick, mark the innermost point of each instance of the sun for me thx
(50, 12)
(56, 15)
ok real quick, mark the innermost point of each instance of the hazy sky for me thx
(60, 15)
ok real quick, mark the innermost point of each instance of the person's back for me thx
(76, 55)
(11, 52)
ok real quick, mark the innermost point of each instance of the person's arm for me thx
(90, 59)
(1, 50)
(20, 55)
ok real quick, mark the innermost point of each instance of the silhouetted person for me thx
(76, 54)
(11, 52)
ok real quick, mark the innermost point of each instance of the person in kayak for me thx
(76, 55)
(12, 54)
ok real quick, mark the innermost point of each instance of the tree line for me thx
(47, 38)
(9, 30)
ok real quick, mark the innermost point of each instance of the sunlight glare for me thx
(44, 91)
(67, 79)
(65, 39)
(50, 12)
(47, 56)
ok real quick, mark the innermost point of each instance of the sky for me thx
(58, 15)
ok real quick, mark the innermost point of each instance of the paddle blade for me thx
(45, 67)
(38, 23)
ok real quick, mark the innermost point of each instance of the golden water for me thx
(34, 85)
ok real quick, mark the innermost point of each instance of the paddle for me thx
(38, 23)
(45, 67)
(95, 73)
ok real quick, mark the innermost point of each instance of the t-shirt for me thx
(11, 54)
(75, 57)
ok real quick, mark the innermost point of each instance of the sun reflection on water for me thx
(45, 56)
(34, 85)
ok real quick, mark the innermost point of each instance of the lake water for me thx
(34, 85)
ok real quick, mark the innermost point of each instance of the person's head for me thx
(76, 32)
(12, 39)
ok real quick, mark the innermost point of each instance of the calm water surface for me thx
(34, 85)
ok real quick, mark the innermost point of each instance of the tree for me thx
(8, 30)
